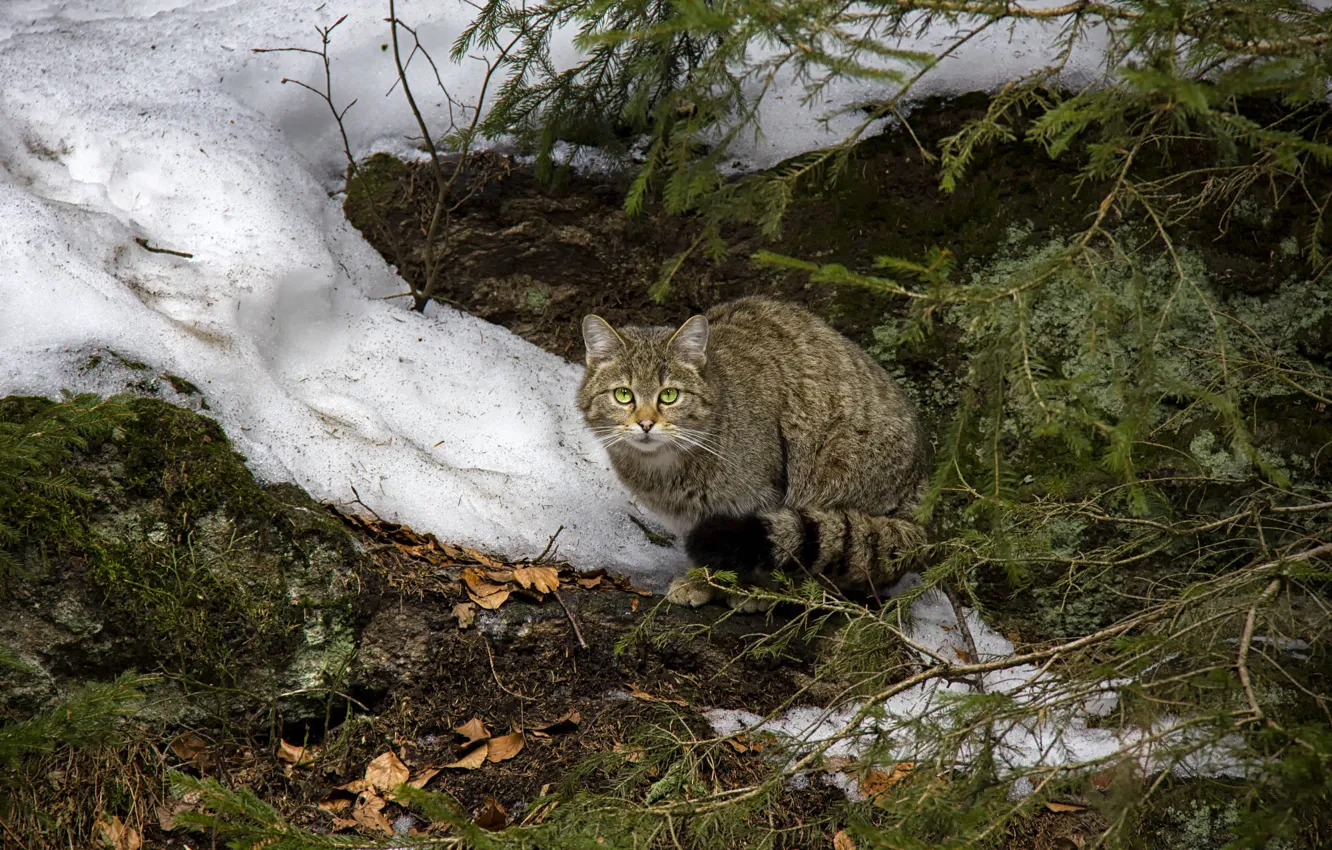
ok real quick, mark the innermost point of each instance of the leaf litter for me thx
(479, 764)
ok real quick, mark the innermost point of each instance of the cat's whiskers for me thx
(704, 442)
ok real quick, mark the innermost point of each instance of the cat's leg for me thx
(691, 591)
(743, 603)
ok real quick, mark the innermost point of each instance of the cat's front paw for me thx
(690, 591)
(743, 603)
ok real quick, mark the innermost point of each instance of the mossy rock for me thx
(171, 558)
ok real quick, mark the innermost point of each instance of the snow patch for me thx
(1062, 736)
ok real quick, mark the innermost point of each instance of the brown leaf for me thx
(419, 781)
(738, 745)
(568, 723)
(333, 805)
(116, 835)
(386, 772)
(541, 579)
(633, 605)
(473, 730)
(587, 583)
(292, 754)
(466, 614)
(491, 601)
(189, 746)
(633, 755)
(878, 781)
(493, 817)
(340, 824)
(475, 579)
(482, 558)
(505, 747)
(842, 841)
(1065, 808)
(369, 813)
(356, 786)
(474, 758)
(638, 693)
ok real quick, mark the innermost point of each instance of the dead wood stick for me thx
(573, 621)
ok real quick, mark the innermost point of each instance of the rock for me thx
(176, 562)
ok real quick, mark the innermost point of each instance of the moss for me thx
(188, 564)
(374, 187)
(181, 385)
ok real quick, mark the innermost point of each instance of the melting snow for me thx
(1064, 735)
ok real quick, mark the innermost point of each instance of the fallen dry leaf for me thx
(340, 824)
(842, 841)
(189, 746)
(568, 723)
(386, 772)
(505, 747)
(491, 601)
(369, 813)
(541, 579)
(116, 835)
(482, 558)
(292, 754)
(419, 781)
(465, 612)
(354, 787)
(474, 759)
(633, 605)
(589, 582)
(473, 730)
(738, 745)
(333, 805)
(477, 582)
(878, 781)
(1065, 808)
(633, 755)
(638, 693)
(493, 816)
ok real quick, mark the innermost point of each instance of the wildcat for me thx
(773, 441)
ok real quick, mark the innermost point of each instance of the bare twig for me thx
(573, 621)
(1246, 639)
(143, 243)
(490, 656)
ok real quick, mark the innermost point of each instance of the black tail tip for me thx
(735, 543)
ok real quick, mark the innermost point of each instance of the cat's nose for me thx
(646, 425)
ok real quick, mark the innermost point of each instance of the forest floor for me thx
(572, 677)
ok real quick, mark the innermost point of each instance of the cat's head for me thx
(644, 387)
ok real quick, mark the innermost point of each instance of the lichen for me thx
(184, 563)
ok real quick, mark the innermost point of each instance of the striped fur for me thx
(852, 550)
(774, 441)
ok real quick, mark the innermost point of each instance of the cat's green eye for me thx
(624, 395)
(669, 395)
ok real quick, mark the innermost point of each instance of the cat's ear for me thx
(601, 340)
(690, 342)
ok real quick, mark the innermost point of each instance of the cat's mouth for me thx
(649, 442)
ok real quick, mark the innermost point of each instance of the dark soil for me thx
(536, 257)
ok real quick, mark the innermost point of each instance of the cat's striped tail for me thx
(855, 551)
